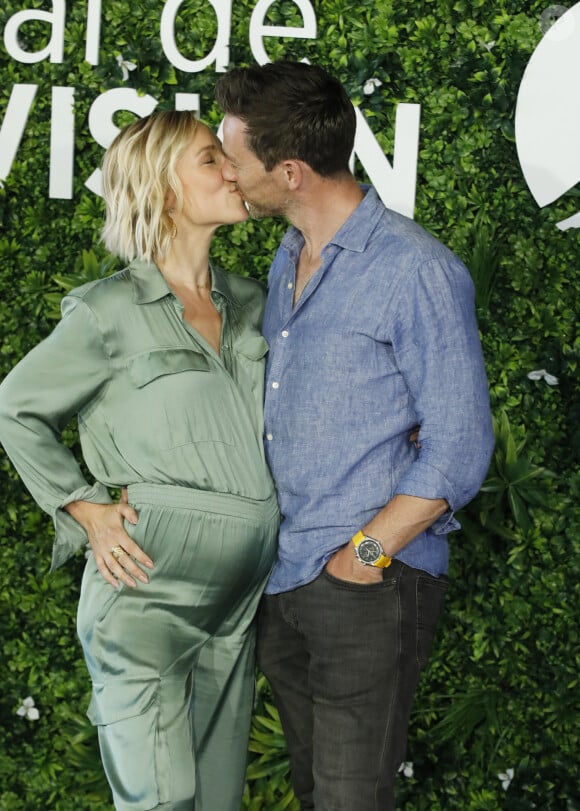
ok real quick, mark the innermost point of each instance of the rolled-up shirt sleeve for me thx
(55, 381)
(439, 354)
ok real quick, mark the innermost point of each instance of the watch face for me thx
(369, 550)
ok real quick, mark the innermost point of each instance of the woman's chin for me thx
(244, 213)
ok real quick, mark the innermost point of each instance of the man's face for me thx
(261, 190)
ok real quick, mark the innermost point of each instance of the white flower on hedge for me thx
(28, 710)
(407, 768)
(538, 374)
(506, 778)
(371, 85)
(125, 66)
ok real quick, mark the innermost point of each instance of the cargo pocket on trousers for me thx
(133, 747)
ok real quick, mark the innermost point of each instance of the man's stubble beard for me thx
(260, 212)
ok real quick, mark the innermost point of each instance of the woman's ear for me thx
(170, 201)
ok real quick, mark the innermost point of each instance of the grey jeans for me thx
(343, 660)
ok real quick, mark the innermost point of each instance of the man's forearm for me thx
(402, 519)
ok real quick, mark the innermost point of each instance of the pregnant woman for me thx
(163, 365)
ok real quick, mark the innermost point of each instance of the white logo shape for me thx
(548, 114)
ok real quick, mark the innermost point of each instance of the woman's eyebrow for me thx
(212, 147)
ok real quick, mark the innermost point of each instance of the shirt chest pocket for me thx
(181, 396)
(252, 347)
(150, 366)
(249, 371)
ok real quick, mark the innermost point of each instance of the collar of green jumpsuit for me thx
(149, 283)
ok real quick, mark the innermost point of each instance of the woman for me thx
(163, 364)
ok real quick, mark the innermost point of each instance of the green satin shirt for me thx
(155, 403)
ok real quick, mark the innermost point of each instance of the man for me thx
(371, 328)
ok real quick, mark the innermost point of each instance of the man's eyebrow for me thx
(228, 156)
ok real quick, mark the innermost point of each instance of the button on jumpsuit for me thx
(171, 661)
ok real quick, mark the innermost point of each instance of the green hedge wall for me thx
(501, 694)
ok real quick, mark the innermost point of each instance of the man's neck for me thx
(323, 210)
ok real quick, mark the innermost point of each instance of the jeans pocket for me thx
(430, 598)
(353, 585)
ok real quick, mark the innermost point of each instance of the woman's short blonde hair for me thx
(138, 173)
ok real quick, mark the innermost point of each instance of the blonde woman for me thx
(163, 364)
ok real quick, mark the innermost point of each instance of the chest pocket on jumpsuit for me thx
(250, 352)
(179, 393)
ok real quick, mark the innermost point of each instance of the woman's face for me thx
(208, 199)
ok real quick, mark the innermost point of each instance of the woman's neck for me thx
(186, 264)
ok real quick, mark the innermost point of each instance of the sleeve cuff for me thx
(70, 535)
(424, 481)
(445, 523)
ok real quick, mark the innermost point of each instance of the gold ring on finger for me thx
(117, 552)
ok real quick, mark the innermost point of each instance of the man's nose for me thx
(228, 171)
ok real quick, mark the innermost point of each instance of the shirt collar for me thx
(149, 283)
(354, 234)
(220, 284)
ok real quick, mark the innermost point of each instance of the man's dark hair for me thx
(292, 110)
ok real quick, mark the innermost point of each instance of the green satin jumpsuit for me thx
(171, 661)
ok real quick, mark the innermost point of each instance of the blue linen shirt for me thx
(383, 339)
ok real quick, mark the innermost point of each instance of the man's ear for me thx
(292, 172)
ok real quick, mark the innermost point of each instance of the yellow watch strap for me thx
(356, 539)
(383, 561)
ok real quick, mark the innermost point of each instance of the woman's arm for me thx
(56, 380)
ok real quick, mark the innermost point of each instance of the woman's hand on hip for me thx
(117, 556)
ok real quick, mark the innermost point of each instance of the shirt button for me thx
(290, 285)
(285, 333)
(269, 437)
(275, 385)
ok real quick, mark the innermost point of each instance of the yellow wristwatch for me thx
(370, 552)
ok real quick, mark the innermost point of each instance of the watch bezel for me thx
(369, 542)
